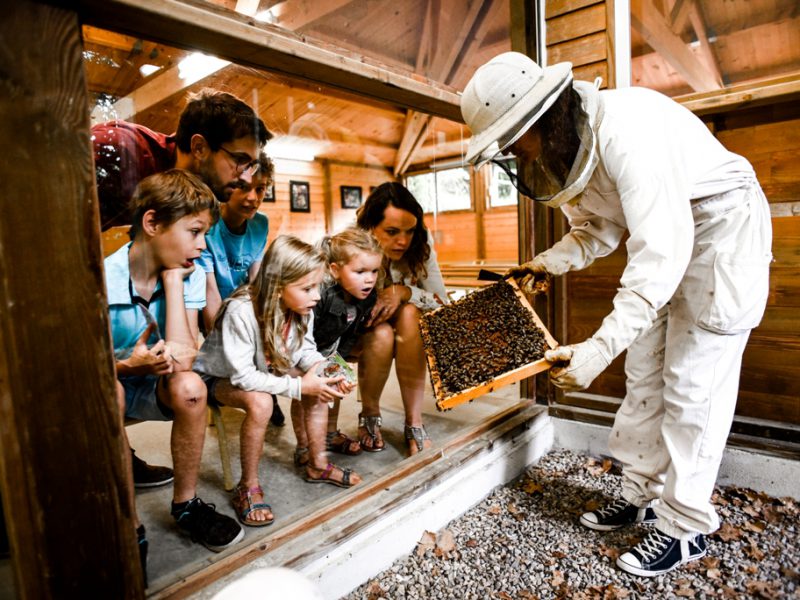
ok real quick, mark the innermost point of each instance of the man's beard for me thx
(222, 190)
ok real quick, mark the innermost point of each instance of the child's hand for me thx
(176, 274)
(147, 361)
(345, 387)
(320, 389)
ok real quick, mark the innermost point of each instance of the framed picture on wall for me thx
(299, 196)
(351, 196)
(269, 195)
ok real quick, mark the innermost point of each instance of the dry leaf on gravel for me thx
(515, 512)
(526, 595)
(753, 551)
(494, 510)
(728, 532)
(713, 573)
(612, 553)
(591, 505)
(426, 542)
(502, 596)
(531, 487)
(558, 579)
(755, 526)
(711, 562)
(762, 589)
(374, 591)
(445, 544)
(471, 543)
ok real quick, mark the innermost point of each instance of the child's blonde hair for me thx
(172, 194)
(340, 248)
(286, 260)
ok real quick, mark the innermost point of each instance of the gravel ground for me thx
(524, 542)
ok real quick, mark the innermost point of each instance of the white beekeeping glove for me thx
(584, 362)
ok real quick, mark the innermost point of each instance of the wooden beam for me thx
(414, 134)
(656, 32)
(297, 14)
(768, 91)
(168, 83)
(699, 26)
(61, 442)
(198, 25)
(680, 14)
(443, 69)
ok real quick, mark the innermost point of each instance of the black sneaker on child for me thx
(616, 515)
(659, 553)
(148, 476)
(277, 418)
(205, 525)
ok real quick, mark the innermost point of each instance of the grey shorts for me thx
(141, 400)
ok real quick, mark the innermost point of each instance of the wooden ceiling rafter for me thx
(656, 31)
(166, 84)
(446, 70)
(700, 30)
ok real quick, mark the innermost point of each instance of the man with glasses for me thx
(219, 139)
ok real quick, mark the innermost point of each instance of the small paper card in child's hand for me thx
(482, 342)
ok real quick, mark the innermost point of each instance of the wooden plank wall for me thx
(769, 137)
(577, 32)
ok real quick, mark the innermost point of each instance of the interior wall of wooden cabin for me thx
(769, 137)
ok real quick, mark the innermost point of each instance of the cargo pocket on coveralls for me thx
(741, 287)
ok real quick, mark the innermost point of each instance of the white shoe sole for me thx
(634, 570)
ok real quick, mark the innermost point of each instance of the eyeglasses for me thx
(242, 161)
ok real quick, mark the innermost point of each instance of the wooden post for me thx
(61, 475)
(535, 221)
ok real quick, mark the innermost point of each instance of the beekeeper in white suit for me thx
(696, 281)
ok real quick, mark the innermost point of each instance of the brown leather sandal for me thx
(325, 476)
(346, 445)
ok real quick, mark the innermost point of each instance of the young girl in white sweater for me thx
(261, 344)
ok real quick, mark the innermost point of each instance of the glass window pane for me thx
(442, 190)
(706, 45)
(501, 191)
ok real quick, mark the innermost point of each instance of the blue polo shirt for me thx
(229, 256)
(129, 320)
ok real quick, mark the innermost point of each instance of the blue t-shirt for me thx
(229, 255)
(128, 319)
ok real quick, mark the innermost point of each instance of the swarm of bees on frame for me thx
(479, 337)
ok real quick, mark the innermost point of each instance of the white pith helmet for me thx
(504, 98)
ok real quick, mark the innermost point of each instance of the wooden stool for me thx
(215, 419)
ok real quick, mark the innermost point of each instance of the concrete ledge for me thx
(369, 537)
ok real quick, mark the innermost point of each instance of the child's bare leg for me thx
(127, 463)
(185, 394)
(374, 365)
(316, 420)
(410, 366)
(258, 409)
(333, 416)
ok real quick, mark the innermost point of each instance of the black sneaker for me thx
(277, 418)
(141, 538)
(206, 526)
(659, 553)
(148, 476)
(616, 515)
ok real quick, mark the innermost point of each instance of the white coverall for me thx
(695, 284)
